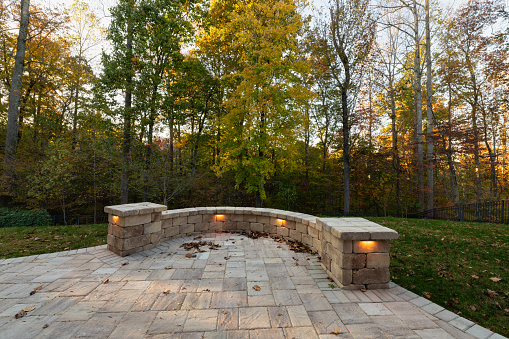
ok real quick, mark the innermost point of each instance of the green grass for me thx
(455, 264)
(25, 241)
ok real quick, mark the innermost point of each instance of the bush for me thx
(10, 218)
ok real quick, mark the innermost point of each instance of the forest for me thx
(358, 107)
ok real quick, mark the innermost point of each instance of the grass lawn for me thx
(25, 241)
(461, 266)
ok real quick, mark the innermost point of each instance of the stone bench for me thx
(354, 251)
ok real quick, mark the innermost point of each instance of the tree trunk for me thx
(429, 116)
(346, 150)
(11, 140)
(126, 142)
(452, 172)
(395, 154)
(418, 110)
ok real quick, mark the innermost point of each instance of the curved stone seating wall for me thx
(354, 251)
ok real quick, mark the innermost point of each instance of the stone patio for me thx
(247, 288)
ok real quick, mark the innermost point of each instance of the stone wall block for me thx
(290, 224)
(379, 246)
(155, 237)
(270, 229)
(202, 226)
(283, 231)
(230, 226)
(134, 242)
(131, 220)
(152, 227)
(378, 260)
(301, 228)
(243, 225)
(156, 216)
(250, 217)
(178, 221)
(186, 229)
(371, 276)
(352, 261)
(317, 245)
(193, 219)
(344, 277)
(344, 246)
(307, 240)
(208, 217)
(256, 227)
(264, 219)
(276, 221)
(171, 231)
(166, 223)
(217, 226)
(296, 235)
(313, 232)
(237, 217)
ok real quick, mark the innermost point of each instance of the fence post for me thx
(462, 212)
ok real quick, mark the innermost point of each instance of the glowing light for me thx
(281, 222)
(219, 217)
(367, 246)
(115, 218)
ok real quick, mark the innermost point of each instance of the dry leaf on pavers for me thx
(256, 288)
(207, 290)
(125, 263)
(29, 308)
(363, 290)
(45, 326)
(167, 292)
(190, 255)
(296, 263)
(20, 314)
(427, 295)
(335, 332)
(35, 290)
(106, 281)
(227, 258)
(169, 267)
(495, 279)
(198, 237)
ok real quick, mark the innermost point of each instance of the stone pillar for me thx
(134, 228)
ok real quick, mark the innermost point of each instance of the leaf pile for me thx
(197, 244)
(294, 245)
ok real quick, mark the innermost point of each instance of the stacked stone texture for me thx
(339, 241)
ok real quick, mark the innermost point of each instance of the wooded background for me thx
(361, 107)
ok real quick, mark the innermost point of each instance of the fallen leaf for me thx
(495, 279)
(473, 308)
(335, 332)
(363, 290)
(475, 276)
(125, 263)
(20, 314)
(37, 288)
(45, 326)
(227, 258)
(169, 267)
(190, 255)
(456, 300)
(29, 308)
(207, 290)
(256, 288)
(167, 292)
(296, 264)
(279, 247)
(427, 295)
(490, 293)
(106, 281)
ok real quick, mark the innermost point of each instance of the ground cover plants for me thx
(461, 266)
(25, 241)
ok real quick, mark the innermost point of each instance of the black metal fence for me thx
(488, 211)
(79, 219)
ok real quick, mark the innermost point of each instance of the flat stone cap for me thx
(134, 209)
(358, 229)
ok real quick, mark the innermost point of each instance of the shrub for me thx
(10, 218)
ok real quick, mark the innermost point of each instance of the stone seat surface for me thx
(247, 288)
